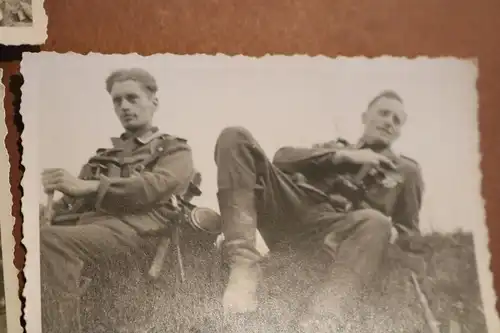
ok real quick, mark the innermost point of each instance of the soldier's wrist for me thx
(90, 187)
(339, 157)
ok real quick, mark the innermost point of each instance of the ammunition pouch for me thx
(348, 189)
(346, 192)
(113, 166)
(113, 163)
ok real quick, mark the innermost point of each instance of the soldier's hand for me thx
(64, 182)
(364, 157)
(414, 243)
(394, 235)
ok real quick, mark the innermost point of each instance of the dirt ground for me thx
(15, 13)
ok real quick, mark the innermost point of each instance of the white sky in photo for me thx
(282, 101)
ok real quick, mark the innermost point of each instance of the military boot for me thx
(239, 226)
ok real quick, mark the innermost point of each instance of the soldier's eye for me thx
(396, 120)
(131, 98)
(384, 113)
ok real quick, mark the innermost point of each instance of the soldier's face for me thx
(133, 104)
(383, 121)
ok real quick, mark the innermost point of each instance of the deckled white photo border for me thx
(31, 35)
(10, 272)
(31, 197)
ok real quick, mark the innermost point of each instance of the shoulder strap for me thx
(160, 148)
(333, 143)
(411, 160)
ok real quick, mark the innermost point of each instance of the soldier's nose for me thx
(388, 125)
(125, 105)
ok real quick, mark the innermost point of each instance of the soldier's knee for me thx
(44, 233)
(375, 220)
(46, 237)
(233, 136)
(50, 240)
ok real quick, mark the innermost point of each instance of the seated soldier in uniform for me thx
(311, 193)
(121, 196)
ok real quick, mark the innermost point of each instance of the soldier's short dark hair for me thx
(387, 94)
(136, 74)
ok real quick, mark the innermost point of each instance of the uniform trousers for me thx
(66, 252)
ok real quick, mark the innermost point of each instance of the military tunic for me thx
(111, 225)
(400, 200)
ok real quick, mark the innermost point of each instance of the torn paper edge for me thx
(10, 272)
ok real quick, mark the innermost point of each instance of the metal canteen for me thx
(205, 219)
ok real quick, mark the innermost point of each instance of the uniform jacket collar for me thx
(141, 137)
(384, 150)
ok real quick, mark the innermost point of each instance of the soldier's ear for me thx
(155, 101)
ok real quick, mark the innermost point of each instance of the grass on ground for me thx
(447, 275)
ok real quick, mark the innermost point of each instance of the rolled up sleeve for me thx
(296, 159)
(171, 175)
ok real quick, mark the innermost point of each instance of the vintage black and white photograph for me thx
(22, 22)
(10, 304)
(203, 193)
(16, 13)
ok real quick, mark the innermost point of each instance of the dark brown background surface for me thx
(432, 28)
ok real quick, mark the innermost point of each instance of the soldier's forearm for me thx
(339, 157)
(90, 187)
(135, 192)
